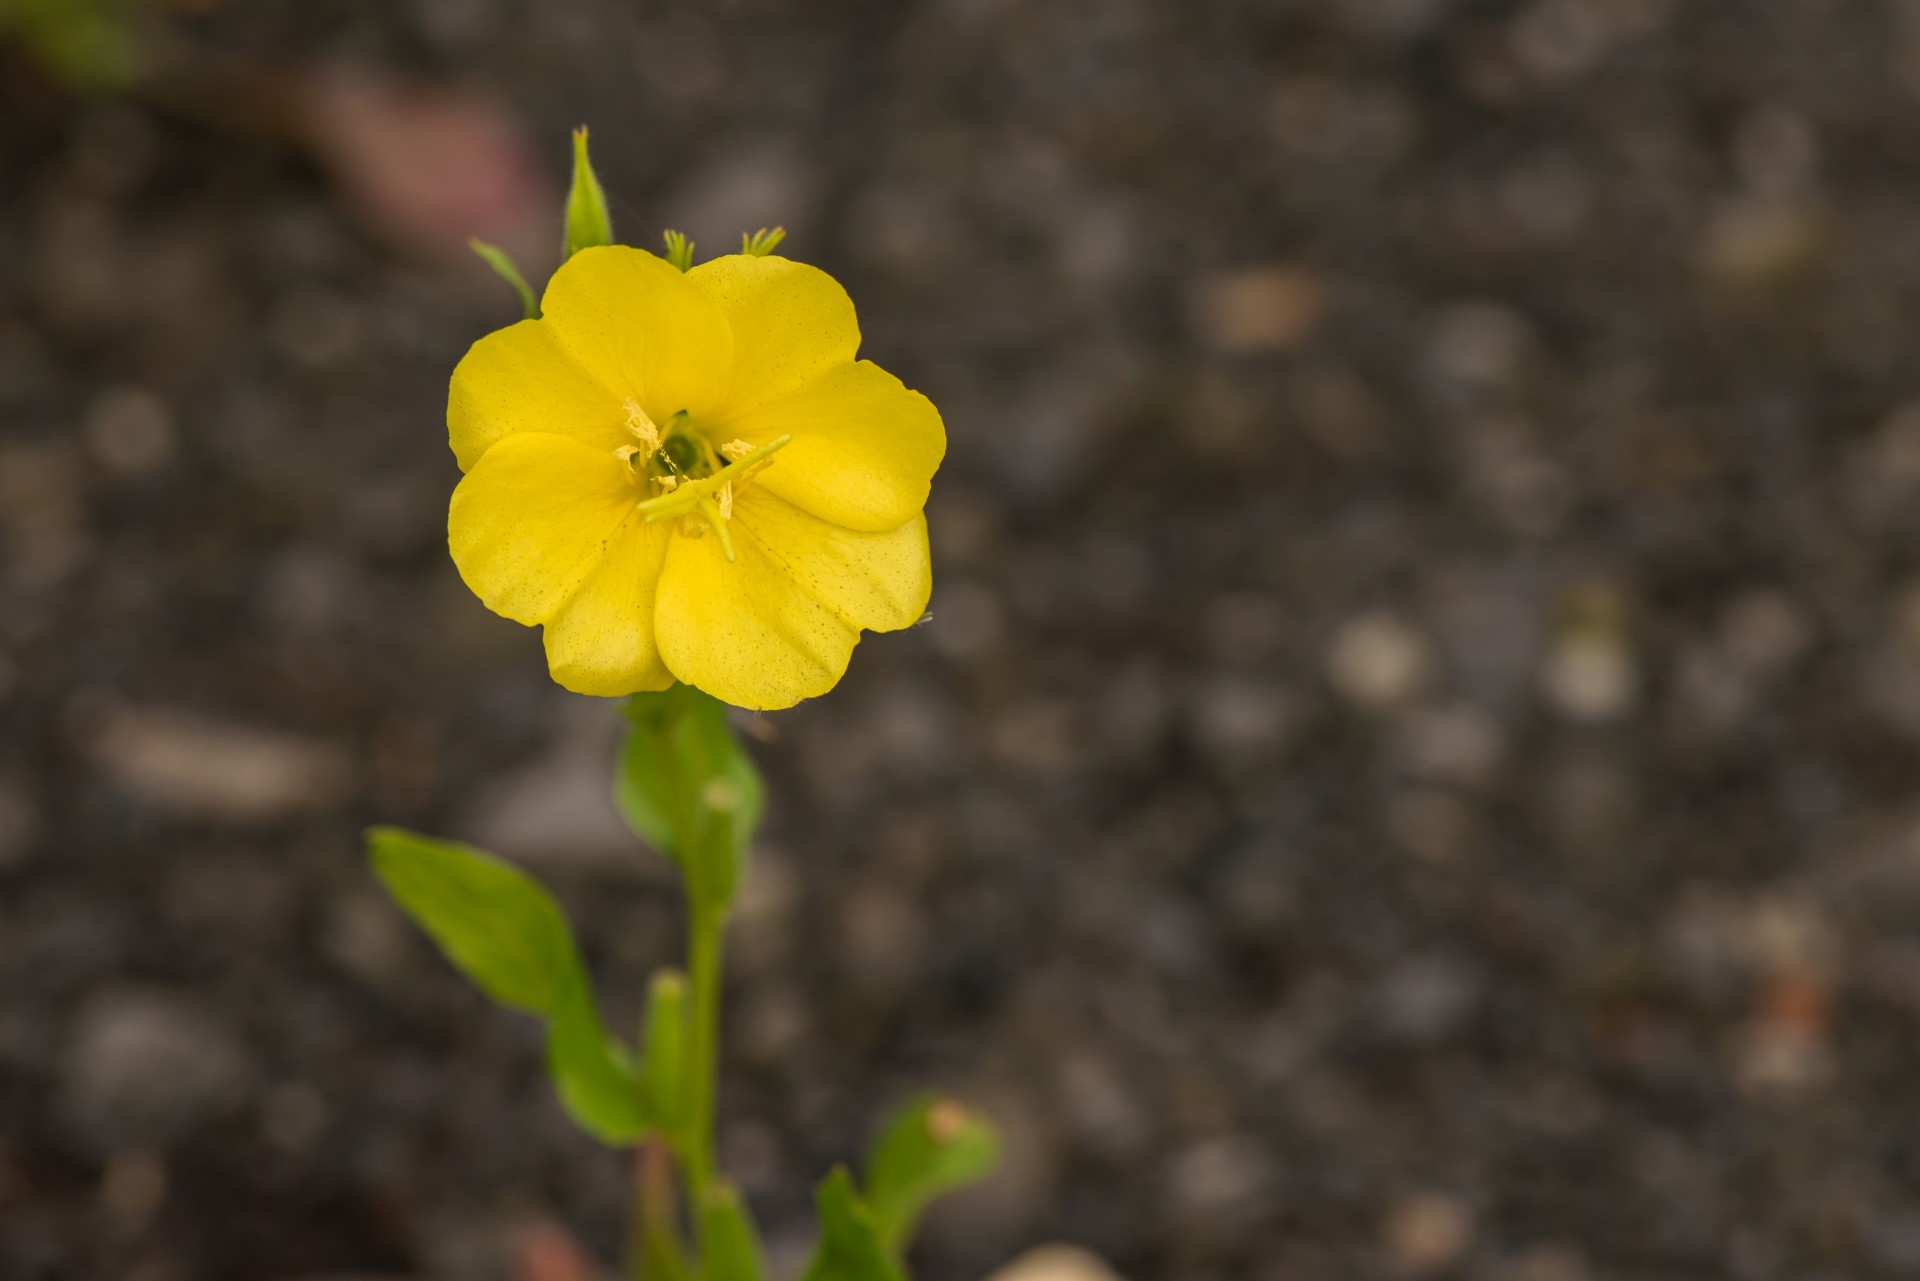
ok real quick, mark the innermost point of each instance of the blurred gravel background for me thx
(1412, 770)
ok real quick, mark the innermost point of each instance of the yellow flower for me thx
(689, 476)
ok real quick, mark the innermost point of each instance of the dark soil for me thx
(1412, 769)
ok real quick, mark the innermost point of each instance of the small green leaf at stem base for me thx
(588, 223)
(850, 1247)
(729, 1245)
(500, 928)
(503, 266)
(930, 1147)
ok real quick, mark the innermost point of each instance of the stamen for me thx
(691, 494)
(735, 450)
(725, 501)
(641, 426)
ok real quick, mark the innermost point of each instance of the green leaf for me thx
(679, 250)
(687, 787)
(588, 223)
(501, 929)
(850, 1247)
(932, 1146)
(762, 242)
(728, 1241)
(93, 45)
(664, 1075)
(496, 258)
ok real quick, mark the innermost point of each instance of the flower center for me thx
(688, 479)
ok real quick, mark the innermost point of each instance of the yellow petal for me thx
(779, 623)
(519, 379)
(791, 323)
(601, 641)
(641, 329)
(532, 520)
(864, 447)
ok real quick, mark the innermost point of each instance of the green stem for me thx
(654, 1251)
(706, 924)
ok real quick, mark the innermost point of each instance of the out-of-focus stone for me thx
(1056, 1263)
(881, 938)
(1558, 39)
(1235, 717)
(1762, 630)
(1478, 345)
(1547, 1263)
(1428, 1232)
(200, 767)
(1425, 999)
(1104, 1111)
(1039, 735)
(293, 1116)
(1377, 661)
(128, 430)
(1453, 744)
(1245, 627)
(1590, 676)
(967, 621)
(42, 507)
(557, 811)
(1754, 240)
(1258, 309)
(1430, 823)
(1222, 1179)
(367, 935)
(147, 1066)
(133, 1187)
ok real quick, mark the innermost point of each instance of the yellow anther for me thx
(735, 450)
(641, 426)
(724, 499)
(667, 483)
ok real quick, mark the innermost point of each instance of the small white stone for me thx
(1377, 661)
(1590, 676)
(1056, 1263)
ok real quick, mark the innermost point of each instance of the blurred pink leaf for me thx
(427, 167)
(549, 1253)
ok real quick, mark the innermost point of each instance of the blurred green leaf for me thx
(504, 267)
(588, 223)
(89, 44)
(688, 788)
(727, 1238)
(932, 1146)
(850, 1247)
(501, 929)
